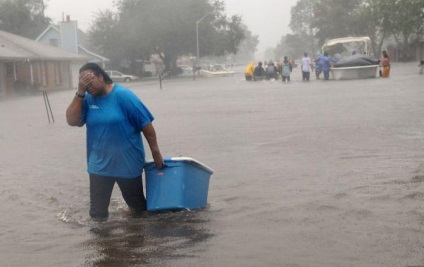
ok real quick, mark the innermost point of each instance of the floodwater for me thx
(306, 174)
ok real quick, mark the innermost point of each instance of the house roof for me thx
(51, 26)
(102, 58)
(83, 41)
(15, 47)
(84, 44)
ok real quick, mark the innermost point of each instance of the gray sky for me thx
(267, 18)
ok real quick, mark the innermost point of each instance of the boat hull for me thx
(351, 73)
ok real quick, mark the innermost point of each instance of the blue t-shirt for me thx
(114, 123)
(324, 62)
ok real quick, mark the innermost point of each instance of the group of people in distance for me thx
(284, 67)
(322, 65)
(270, 71)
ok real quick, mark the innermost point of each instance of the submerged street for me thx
(319, 173)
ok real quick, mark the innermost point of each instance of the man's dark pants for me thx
(326, 74)
(101, 191)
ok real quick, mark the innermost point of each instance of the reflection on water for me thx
(150, 240)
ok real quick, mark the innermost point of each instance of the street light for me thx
(197, 33)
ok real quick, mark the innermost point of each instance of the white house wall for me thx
(75, 73)
(49, 35)
(68, 31)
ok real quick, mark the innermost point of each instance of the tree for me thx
(168, 28)
(248, 47)
(282, 49)
(372, 19)
(269, 54)
(302, 25)
(336, 18)
(319, 20)
(106, 35)
(408, 26)
(23, 17)
(315, 21)
(293, 46)
(404, 20)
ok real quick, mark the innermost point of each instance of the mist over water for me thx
(306, 174)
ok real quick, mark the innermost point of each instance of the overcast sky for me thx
(267, 18)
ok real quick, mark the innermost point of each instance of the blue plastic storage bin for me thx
(182, 184)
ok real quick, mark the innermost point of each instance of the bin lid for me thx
(189, 160)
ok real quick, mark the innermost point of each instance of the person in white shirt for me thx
(306, 67)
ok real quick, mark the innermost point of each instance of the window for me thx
(9, 69)
(54, 42)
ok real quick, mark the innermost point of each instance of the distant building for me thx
(29, 65)
(66, 35)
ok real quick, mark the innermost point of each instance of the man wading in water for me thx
(114, 117)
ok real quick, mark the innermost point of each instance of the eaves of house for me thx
(15, 47)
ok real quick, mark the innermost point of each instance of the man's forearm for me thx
(73, 113)
(150, 135)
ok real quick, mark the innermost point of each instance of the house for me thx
(29, 65)
(66, 35)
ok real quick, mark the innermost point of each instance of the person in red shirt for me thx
(385, 64)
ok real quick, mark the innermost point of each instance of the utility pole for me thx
(197, 36)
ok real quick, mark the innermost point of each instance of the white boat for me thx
(360, 45)
(210, 74)
(351, 73)
(217, 70)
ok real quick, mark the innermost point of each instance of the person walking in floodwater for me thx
(248, 72)
(385, 64)
(323, 64)
(306, 67)
(259, 72)
(318, 69)
(286, 70)
(114, 117)
(271, 71)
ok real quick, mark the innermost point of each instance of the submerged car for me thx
(187, 70)
(120, 77)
